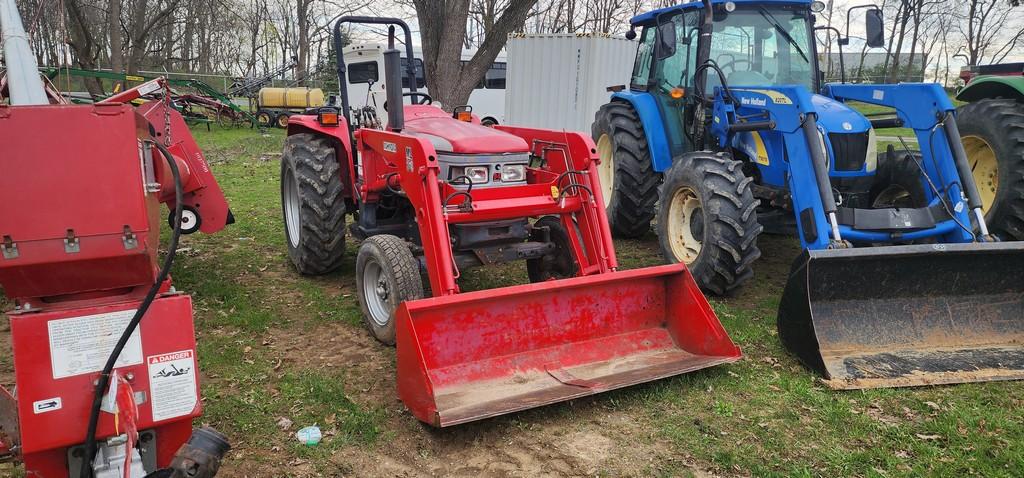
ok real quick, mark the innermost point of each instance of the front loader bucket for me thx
(901, 316)
(476, 355)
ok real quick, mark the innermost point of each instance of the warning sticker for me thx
(80, 345)
(172, 382)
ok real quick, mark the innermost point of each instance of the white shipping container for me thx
(558, 81)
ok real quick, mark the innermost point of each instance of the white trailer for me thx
(559, 81)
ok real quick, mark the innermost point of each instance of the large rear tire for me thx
(707, 219)
(313, 204)
(387, 274)
(629, 182)
(992, 132)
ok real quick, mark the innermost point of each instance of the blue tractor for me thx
(726, 131)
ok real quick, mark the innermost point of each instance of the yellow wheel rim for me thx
(606, 170)
(985, 168)
(683, 208)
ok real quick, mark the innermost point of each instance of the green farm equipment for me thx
(992, 130)
(206, 104)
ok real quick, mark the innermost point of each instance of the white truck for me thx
(558, 81)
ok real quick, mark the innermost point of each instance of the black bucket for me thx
(898, 316)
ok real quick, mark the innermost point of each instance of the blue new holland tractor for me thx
(726, 131)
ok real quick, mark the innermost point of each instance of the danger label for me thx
(172, 383)
(80, 345)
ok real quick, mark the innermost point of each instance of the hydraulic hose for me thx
(104, 379)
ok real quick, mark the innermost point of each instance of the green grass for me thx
(273, 345)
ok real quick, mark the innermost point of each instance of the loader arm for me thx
(925, 108)
(789, 112)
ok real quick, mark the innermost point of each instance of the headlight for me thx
(871, 161)
(511, 173)
(476, 174)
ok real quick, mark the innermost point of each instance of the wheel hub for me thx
(376, 292)
(606, 170)
(685, 225)
(984, 167)
(290, 198)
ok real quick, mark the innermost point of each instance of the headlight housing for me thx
(476, 174)
(512, 173)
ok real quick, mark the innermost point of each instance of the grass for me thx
(279, 351)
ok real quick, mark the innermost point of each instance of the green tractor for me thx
(992, 131)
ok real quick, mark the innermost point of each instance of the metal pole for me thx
(23, 82)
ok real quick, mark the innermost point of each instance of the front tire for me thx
(707, 219)
(992, 132)
(387, 274)
(629, 182)
(313, 204)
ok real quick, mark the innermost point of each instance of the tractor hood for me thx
(836, 117)
(450, 135)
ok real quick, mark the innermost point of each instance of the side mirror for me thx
(666, 40)
(874, 28)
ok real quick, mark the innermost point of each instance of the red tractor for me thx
(435, 193)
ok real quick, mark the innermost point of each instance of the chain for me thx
(167, 115)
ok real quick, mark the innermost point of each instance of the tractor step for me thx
(476, 355)
(907, 315)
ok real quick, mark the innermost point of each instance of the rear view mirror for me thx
(874, 28)
(666, 40)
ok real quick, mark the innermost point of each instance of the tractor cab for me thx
(751, 44)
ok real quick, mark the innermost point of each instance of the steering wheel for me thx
(732, 65)
(425, 98)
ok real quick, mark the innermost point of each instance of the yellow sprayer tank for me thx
(291, 97)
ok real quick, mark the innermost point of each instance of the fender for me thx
(647, 109)
(299, 124)
(985, 87)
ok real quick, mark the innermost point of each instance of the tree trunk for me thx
(116, 40)
(302, 68)
(450, 82)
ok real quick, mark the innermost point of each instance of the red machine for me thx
(439, 192)
(103, 346)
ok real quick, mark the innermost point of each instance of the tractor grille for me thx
(849, 150)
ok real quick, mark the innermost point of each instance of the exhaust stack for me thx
(393, 83)
(23, 82)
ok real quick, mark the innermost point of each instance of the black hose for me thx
(104, 378)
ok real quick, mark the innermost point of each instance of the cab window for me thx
(642, 66)
(363, 72)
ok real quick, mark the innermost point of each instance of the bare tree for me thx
(443, 25)
(991, 29)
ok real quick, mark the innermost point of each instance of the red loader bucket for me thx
(476, 355)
